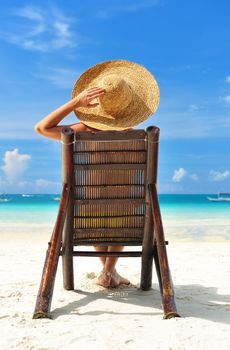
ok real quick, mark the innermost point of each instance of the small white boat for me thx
(4, 200)
(221, 197)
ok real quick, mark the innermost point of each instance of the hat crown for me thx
(118, 94)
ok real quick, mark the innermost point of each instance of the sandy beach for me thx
(126, 318)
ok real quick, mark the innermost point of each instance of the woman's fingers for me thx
(96, 95)
(93, 104)
(92, 92)
(95, 88)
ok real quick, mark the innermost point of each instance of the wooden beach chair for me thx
(109, 197)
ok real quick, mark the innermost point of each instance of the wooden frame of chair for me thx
(153, 243)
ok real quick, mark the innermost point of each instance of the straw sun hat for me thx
(131, 95)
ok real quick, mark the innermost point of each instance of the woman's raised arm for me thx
(49, 127)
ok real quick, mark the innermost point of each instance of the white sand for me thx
(94, 318)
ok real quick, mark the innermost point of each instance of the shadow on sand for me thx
(192, 301)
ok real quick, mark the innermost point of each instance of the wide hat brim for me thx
(144, 103)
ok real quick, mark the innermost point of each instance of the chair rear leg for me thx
(146, 268)
(67, 251)
(68, 273)
(160, 256)
(147, 258)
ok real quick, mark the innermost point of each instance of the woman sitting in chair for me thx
(113, 95)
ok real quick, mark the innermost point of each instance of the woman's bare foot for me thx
(117, 280)
(104, 279)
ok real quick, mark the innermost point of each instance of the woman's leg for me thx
(103, 279)
(102, 248)
(110, 263)
(109, 276)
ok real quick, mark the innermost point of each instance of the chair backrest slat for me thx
(109, 192)
(110, 157)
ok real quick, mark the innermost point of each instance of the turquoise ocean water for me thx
(26, 208)
(183, 215)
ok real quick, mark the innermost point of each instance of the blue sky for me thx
(46, 45)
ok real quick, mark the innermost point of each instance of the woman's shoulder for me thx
(82, 127)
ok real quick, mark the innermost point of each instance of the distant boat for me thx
(4, 200)
(221, 197)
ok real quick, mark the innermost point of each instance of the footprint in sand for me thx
(91, 275)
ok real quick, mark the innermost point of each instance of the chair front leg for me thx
(44, 298)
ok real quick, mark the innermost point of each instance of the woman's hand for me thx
(85, 97)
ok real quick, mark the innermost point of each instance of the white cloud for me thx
(32, 13)
(15, 165)
(179, 174)
(43, 30)
(193, 108)
(63, 29)
(194, 177)
(129, 6)
(226, 99)
(218, 175)
(228, 79)
(43, 184)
